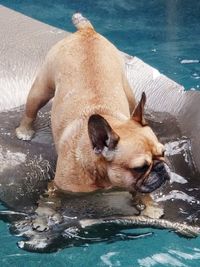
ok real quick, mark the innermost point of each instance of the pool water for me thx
(165, 34)
(162, 248)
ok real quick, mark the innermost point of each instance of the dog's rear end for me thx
(89, 72)
(78, 70)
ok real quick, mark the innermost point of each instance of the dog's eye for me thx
(143, 168)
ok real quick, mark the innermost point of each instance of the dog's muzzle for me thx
(158, 175)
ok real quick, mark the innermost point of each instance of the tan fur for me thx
(86, 74)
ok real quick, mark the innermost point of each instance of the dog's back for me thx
(88, 73)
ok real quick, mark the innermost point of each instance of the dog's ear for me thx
(138, 113)
(103, 138)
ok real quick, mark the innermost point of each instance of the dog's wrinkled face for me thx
(138, 160)
(134, 156)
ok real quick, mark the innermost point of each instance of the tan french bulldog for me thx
(101, 136)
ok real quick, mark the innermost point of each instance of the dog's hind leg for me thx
(129, 94)
(41, 92)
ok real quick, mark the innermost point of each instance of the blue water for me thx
(160, 249)
(162, 33)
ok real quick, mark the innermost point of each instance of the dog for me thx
(100, 133)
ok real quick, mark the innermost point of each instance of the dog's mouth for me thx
(158, 175)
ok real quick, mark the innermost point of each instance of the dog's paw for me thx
(138, 202)
(153, 211)
(24, 133)
(40, 224)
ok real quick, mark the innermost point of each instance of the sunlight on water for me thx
(161, 249)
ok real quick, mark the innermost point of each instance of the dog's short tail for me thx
(81, 22)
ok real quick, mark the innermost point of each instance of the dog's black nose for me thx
(158, 176)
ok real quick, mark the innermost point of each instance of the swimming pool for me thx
(161, 249)
(164, 33)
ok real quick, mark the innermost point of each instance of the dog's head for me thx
(133, 156)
